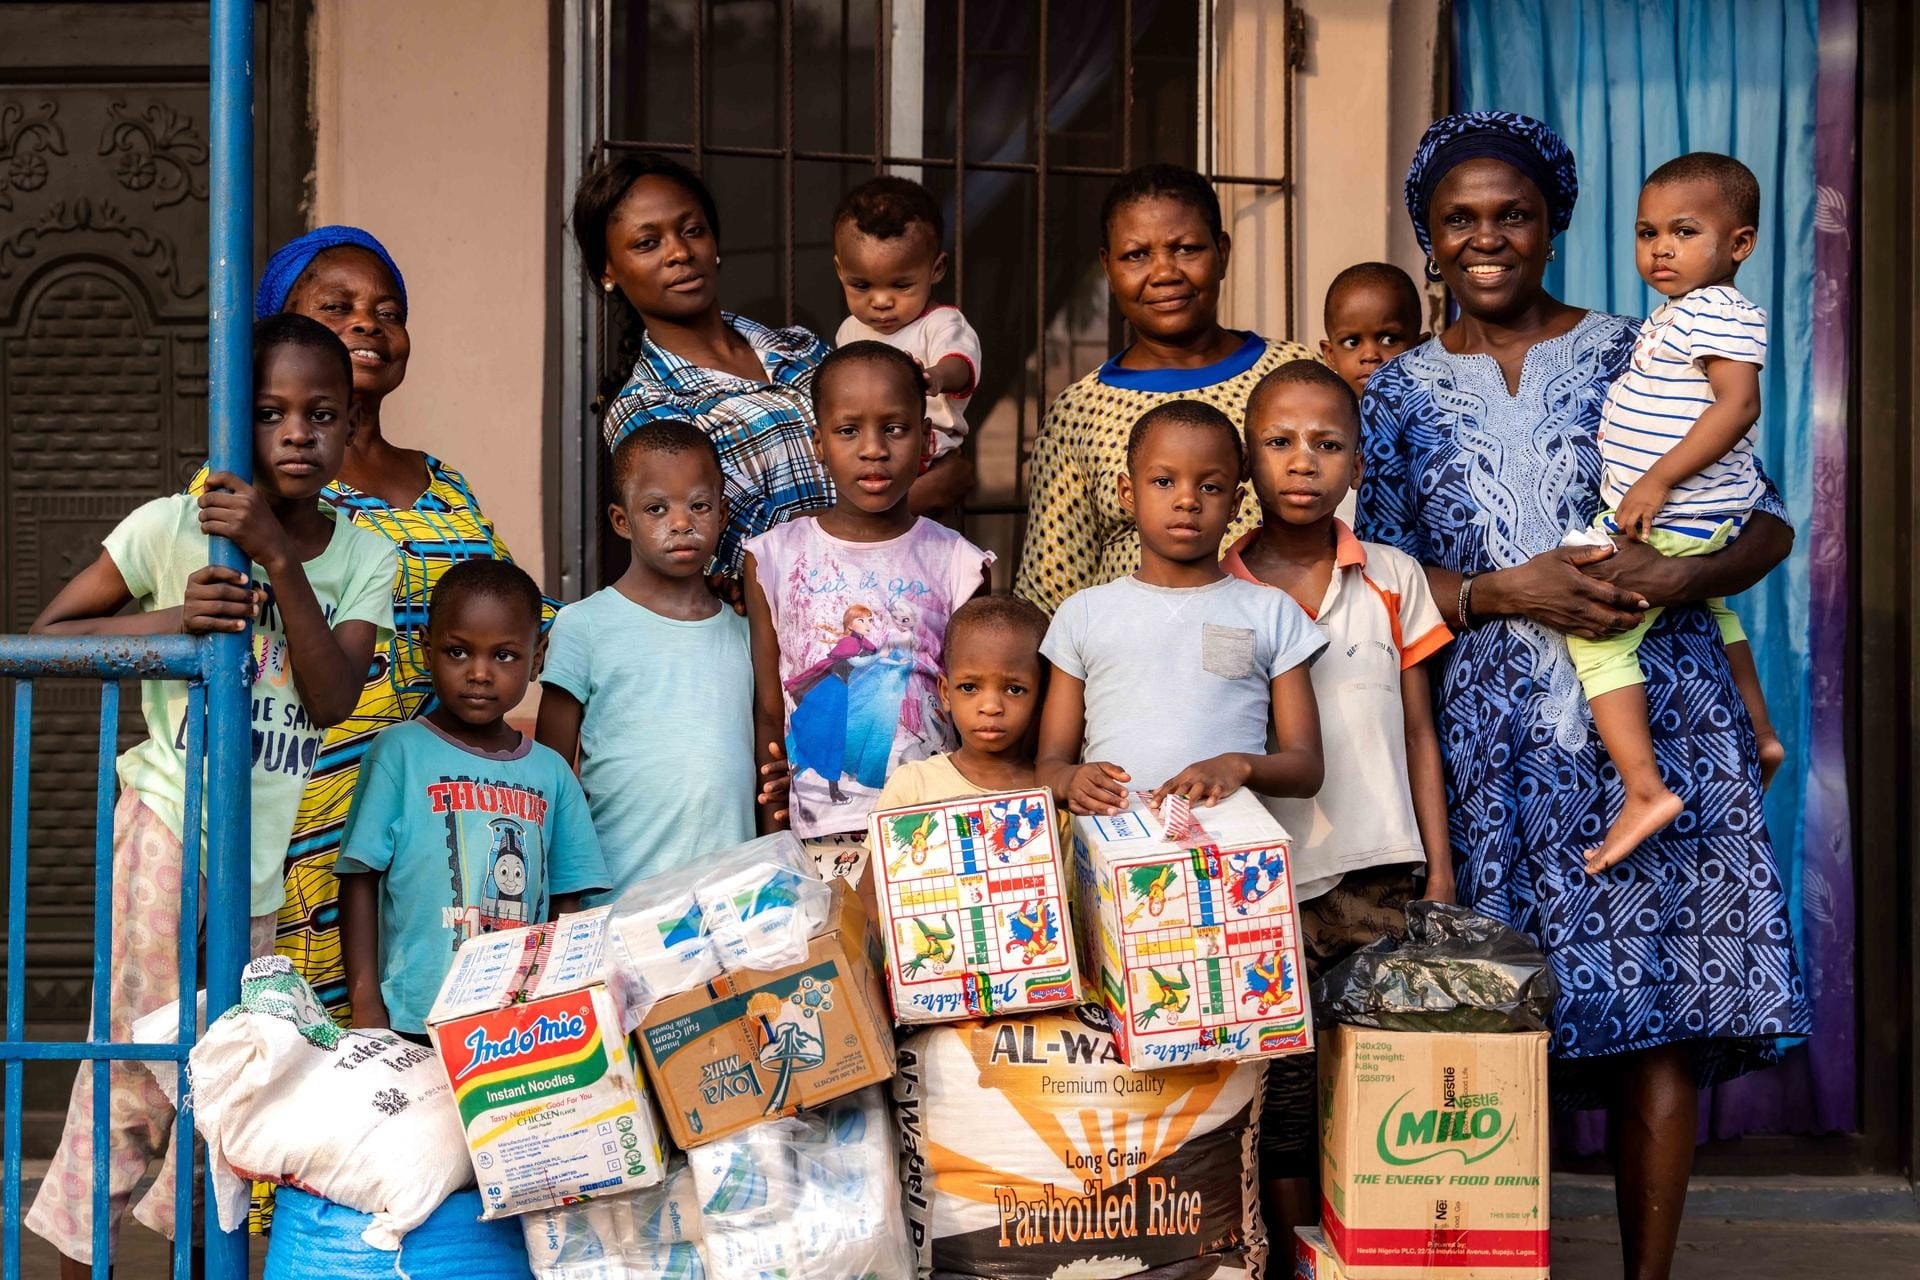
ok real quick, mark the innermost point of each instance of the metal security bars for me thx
(989, 102)
(217, 731)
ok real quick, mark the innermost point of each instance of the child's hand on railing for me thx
(235, 510)
(219, 599)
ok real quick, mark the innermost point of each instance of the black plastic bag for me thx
(1456, 971)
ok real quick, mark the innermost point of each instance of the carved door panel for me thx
(103, 353)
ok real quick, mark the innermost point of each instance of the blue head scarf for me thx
(293, 257)
(1521, 141)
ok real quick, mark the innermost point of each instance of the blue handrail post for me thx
(230, 447)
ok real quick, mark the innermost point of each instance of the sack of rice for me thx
(362, 1118)
(1031, 1151)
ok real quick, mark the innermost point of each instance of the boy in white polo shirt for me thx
(1378, 827)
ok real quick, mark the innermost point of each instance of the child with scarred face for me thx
(462, 824)
(658, 658)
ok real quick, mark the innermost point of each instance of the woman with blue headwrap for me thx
(346, 279)
(1676, 968)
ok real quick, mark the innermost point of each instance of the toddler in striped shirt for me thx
(1676, 444)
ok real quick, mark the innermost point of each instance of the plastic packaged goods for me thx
(651, 1234)
(750, 1046)
(1191, 937)
(811, 1197)
(313, 1237)
(532, 1027)
(1455, 972)
(973, 907)
(750, 907)
(363, 1118)
(1032, 1151)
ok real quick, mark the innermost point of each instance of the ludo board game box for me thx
(973, 909)
(1192, 940)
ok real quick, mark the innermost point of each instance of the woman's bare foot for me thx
(1772, 756)
(1641, 817)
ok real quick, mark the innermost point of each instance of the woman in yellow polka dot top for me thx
(1165, 254)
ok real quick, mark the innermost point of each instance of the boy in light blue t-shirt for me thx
(461, 825)
(649, 682)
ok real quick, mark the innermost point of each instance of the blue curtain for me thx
(1631, 84)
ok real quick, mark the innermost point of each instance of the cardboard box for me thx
(747, 1046)
(973, 909)
(532, 1031)
(1193, 945)
(1313, 1258)
(1433, 1154)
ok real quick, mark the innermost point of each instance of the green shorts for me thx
(1614, 663)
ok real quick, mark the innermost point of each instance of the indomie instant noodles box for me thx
(972, 908)
(532, 1030)
(1192, 942)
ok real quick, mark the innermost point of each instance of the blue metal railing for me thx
(218, 732)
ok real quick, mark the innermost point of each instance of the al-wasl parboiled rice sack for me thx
(1033, 1152)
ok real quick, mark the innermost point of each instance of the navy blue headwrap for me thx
(293, 257)
(1521, 141)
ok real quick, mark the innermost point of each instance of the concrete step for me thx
(1887, 1200)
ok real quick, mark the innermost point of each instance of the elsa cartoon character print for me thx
(860, 628)
(818, 698)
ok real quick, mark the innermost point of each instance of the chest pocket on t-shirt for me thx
(1226, 652)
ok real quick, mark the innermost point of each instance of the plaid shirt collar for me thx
(659, 376)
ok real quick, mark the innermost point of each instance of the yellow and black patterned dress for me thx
(1077, 534)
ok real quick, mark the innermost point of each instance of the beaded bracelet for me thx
(1461, 606)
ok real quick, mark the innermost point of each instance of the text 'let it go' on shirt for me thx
(156, 549)
(467, 842)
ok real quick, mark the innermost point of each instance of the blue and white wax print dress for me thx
(1688, 940)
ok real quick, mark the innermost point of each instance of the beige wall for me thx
(1350, 154)
(1362, 56)
(432, 134)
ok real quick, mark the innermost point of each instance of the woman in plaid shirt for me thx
(649, 232)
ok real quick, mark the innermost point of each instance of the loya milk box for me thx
(973, 909)
(1433, 1153)
(1192, 943)
(751, 1045)
(532, 1027)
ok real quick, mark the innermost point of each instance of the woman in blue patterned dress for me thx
(1676, 968)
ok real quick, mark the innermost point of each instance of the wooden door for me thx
(103, 352)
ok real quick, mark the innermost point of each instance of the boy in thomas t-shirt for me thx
(1375, 836)
(462, 824)
(318, 599)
